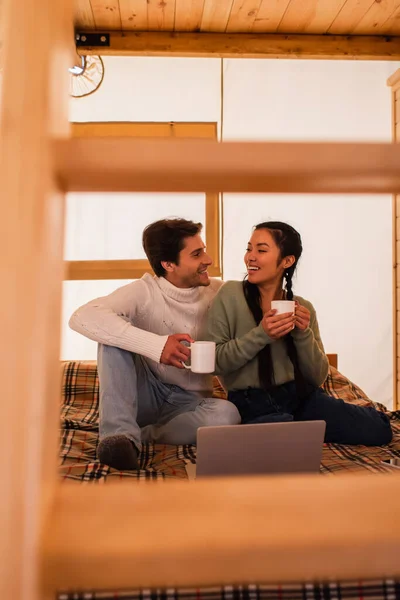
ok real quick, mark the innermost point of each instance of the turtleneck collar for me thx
(188, 295)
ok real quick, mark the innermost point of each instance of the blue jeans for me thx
(134, 403)
(345, 423)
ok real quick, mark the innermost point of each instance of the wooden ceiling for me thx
(336, 17)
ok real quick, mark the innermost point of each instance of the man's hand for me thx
(174, 353)
(277, 326)
(302, 317)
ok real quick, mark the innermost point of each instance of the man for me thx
(145, 392)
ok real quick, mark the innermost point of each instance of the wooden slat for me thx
(33, 106)
(397, 111)
(245, 45)
(106, 269)
(123, 164)
(349, 16)
(395, 292)
(225, 531)
(243, 15)
(133, 15)
(394, 82)
(143, 129)
(398, 226)
(188, 15)
(106, 15)
(160, 15)
(216, 15)
(392, 25)
(376, 17)
(213, 232)
(83, 15)
(270, 15)
(333, 360)
(309, 16)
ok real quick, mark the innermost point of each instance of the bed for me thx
(79, 434)
(79, 438)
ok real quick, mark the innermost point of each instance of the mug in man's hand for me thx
(202, 357)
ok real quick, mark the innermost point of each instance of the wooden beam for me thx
(123, 165)
(333, 360)
(271, 529)
(84, 270)
(78, 270)
(248, 45)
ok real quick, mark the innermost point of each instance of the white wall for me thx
(346, 267)
(153, 89)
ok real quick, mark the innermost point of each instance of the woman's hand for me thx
(302, 317)
(277, 326)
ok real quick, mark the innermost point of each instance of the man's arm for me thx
(108, 320)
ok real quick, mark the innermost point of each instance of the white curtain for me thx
(346, 267)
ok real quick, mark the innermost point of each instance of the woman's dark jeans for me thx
(345, 423)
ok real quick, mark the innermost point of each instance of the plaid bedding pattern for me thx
(79, 438)
(79, 434)
(361, 590)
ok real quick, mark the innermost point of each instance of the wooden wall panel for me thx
(370, 17)
(83, 14)
(349, 16)
(270, 15)
(378, 17)
(309, 17)
(106, 14)
(188, 15)
(160, 15)
(216, 15)
(133, 15)
(243, 15)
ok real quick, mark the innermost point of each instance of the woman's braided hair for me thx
(289, 243)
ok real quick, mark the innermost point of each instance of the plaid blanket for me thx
(79, 434)
(79, 438)
(383, 590)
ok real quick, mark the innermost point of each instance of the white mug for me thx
(202, 355)
(283, 306)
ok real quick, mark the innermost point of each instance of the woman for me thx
(273, 365)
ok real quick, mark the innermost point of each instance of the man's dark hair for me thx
(163, 240)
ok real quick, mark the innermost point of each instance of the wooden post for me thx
(33, 110)
(394, 83)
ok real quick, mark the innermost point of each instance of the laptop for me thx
(259, 449)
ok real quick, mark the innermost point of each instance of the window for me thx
(133, 268)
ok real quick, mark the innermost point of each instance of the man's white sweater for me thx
(140, 316)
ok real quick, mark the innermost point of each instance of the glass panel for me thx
(109, 226)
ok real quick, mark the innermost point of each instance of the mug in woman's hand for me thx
(283, 306)
(202, 357)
